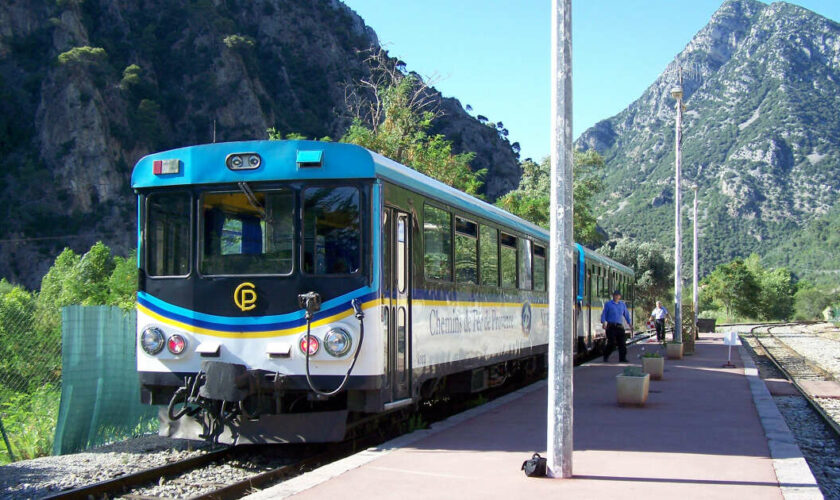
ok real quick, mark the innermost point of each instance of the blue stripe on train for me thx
(251, 324)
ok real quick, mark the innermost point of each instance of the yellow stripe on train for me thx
(302, 328)
(251, 335)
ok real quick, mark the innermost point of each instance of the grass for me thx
(30, 420)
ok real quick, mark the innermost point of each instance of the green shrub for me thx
(30, 420)
(239, 42)
(633, 371)
(83, 55)
(810, 302)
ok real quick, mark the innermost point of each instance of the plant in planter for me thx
(654, 364)
(632, 386)
(689, 329)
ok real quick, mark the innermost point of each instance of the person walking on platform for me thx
(658, 316)
(612, 317)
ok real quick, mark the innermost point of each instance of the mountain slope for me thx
(762, 86)
(87, 87)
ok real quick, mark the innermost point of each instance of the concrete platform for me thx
(706, 432)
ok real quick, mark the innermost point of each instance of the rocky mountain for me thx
(87, 87)
(760, 135)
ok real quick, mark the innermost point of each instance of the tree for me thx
(777, 289)
(734, 288)
(810, 301)
(532, 199)
(122, 284)
(652, 265)
(95, 278)
(392, 113)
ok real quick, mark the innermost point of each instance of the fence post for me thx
(6, 439)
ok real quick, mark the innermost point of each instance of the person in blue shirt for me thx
(615, 311)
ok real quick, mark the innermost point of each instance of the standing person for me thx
(615, 311)
(658, 316)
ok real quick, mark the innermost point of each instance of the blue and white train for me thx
(289, 289)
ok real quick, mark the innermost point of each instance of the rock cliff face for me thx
(87, 87)
(760, 134)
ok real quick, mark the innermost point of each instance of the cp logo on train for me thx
(245, 296)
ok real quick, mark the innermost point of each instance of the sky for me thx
(495, 54)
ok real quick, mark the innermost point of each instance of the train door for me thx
(396, 248)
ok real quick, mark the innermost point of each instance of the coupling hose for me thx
(360, 315)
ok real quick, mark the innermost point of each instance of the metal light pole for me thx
(694, 260)
(677, 93)
(560, 266)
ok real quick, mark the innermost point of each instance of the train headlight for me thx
(176, 344)
(337, 342)
(151, 340)
(314, 345)
(243, 161)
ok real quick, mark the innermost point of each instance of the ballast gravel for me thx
(47, 476)
(819, 444)
(819, 345)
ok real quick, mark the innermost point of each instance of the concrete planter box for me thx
(655, 367)
(674, 350)
(632, 390)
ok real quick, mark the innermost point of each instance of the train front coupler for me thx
(214, 397)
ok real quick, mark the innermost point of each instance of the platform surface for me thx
(698, 436)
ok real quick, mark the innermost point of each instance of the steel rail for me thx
(122, 484)
(816, 406)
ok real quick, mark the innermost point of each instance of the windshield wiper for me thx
(252, 199)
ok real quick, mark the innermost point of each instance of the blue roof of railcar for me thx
(205, 164)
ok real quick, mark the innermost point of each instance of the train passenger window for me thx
(168, 234)
(437, 238)
(247, 233)
(489, 255)
(508, 246)
(466, 251)
(526, 269)
(539, 268)
(402, 252)
(331, 230)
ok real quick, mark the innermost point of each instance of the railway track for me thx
(796, 368)
(262, 459)
(297, 458)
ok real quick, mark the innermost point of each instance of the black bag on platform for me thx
(535, 467)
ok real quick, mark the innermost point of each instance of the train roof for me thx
(297, 159)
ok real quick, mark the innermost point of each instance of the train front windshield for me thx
(251, 231)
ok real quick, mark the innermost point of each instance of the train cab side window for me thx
(466, 251)
(332, 232)
(508, 246)
(539, 269)
(167, 234)
(489, 255)
(437, 241)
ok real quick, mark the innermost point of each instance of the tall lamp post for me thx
(559, 435)
(694, 261)
(677, 93)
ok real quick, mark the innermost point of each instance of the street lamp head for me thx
(677, 92)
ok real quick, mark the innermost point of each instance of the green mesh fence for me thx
(100, 393)
(30, 376)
